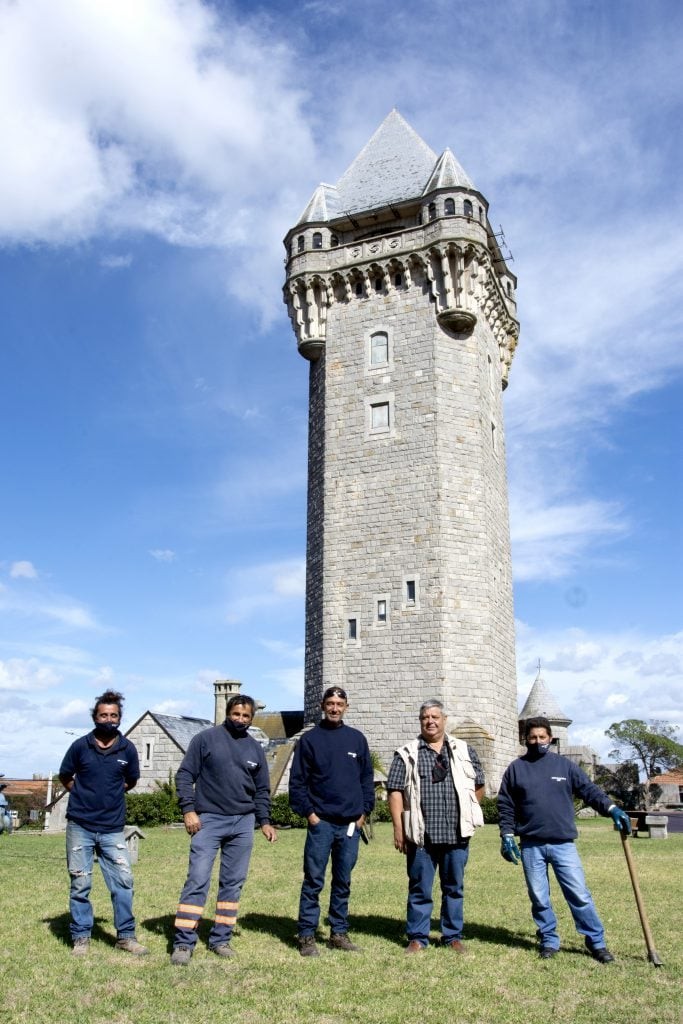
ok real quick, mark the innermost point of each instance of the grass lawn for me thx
(500, 980)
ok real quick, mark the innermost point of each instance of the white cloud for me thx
(168, 118)
(264, 586)
(27, 675)
(291, 680)
(163, 554)
(23, 570)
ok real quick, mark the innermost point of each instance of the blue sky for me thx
(153, 422)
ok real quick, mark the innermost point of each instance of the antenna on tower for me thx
(506, 254)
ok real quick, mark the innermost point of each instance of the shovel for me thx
(652, 954)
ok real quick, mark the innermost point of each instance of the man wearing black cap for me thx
(331, 785)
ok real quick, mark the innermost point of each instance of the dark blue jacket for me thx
(332, 774)
(224, 772)
(97, 800)
(535, 799)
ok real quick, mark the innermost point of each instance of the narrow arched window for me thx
(334, 241)
(300, 243)
(359, 288)
(378, 284)
(468, 208)
(317, 240)
(432, 211)
(379, 348)
(449, 207)
(481, 215)
(398, 280)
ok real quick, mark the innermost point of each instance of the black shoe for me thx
(602, 955)
(547, 953)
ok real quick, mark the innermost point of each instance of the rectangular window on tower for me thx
(351, 631)
(411, 592)
(382, 613)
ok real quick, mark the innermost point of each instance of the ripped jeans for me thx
(111, 850)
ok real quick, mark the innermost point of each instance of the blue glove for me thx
(621, 820)
(509, 849)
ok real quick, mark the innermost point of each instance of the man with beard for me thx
(536, 803)
(224, 792)
(97, 770)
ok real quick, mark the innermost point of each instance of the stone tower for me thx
(404, 306)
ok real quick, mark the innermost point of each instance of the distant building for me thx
(671, 785)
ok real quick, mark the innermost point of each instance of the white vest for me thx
(462, 773)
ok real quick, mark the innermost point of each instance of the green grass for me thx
(501, 980)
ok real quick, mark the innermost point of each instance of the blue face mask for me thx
(536, 750)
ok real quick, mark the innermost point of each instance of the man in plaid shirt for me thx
(435, 784)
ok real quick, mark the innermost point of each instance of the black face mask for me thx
(239, 728)
(536, 750)
(106, 730)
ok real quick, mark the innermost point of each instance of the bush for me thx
(381, 811)
(489, 806)
(283, 816)
(158, 808)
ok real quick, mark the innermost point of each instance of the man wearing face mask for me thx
(97, 770)
(224, 792)
(535, 802)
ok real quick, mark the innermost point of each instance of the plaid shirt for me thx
(438, 800)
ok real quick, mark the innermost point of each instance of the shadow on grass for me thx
(59, 926)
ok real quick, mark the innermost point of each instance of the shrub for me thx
(489, 806)
(282, 814)
(158, 808)
(381, 811)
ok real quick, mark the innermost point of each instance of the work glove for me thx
(509, 849)
(621, 820)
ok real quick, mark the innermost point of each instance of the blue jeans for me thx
(422, 862)
(81, 846)
(233, 835)
(537, 857)
(323, 840)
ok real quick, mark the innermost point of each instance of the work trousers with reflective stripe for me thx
(233, 835)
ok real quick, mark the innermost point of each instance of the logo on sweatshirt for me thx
(558, 778)
(352, 753)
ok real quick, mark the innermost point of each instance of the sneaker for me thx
(181, 956)
(340, 940)
(132, 945)
(456, 945)
(225, 949)
(602, 955)
(307, 945)
(415, 947)
(81, 946)
(547, 953)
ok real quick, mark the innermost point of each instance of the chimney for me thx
(223, 690)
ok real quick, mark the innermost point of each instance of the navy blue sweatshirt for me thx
(224, 772)
(332, 774)
(97, 800)
(535, 799)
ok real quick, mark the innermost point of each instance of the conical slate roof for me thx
(447, 174)
(395, 165)
(541, 702)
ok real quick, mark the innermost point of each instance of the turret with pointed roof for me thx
(541, 702)
(401, 300)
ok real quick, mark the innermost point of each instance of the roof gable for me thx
(447, 174)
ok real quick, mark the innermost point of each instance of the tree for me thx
(654, 748)
(622, 782)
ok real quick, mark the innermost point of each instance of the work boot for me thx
(340, 940)
(415, 947)
(602, 955)
(81, 946)
(307, 945)
(131, 945)
(225, 949)
(181, 956)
